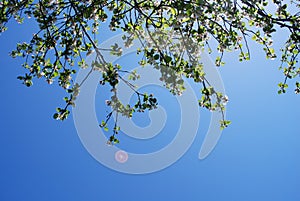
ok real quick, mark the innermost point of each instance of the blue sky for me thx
(257, 157)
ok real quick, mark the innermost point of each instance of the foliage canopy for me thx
(68, 32)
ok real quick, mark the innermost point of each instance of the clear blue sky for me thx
(256, 159)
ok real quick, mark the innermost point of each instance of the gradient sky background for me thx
(257, 158)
